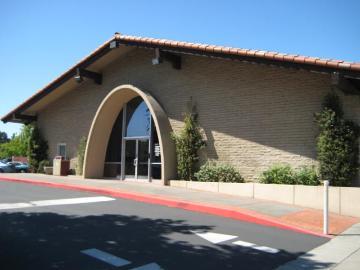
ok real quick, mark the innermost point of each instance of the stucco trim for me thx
(102, 124)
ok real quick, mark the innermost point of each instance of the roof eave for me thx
(69, 74)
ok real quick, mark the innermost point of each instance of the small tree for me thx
(80, 156)
(188, 142)
(17, 145)
(37, 148)
(337, 143)
(3, 137)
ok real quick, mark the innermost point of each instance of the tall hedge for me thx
(37, 148)
(188, 142)
(80, 156)
(337, 143)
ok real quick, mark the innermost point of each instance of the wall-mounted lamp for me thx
(161, 56)
(82, 73)
(78, 78)
(157, 60)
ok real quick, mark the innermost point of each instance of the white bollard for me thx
(326, 208)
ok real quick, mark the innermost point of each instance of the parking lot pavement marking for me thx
(106, 257)
(215, 238)
(254, 246)
(150, 266)
(72, 201)
(6, 206)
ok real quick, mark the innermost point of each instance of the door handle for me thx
(135, 162)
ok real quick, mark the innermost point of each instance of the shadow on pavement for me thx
(53, 241)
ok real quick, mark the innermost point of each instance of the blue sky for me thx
(41, 39)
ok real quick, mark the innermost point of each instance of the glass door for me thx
(130, 159)
(143, 159)
(136, 158)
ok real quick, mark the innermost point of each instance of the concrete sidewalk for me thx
(342, 252)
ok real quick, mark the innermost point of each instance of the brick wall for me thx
(252, 115)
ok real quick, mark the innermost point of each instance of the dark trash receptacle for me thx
(61, 166)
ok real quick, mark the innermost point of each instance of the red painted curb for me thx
(186, 205)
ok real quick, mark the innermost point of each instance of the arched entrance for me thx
(130, 138)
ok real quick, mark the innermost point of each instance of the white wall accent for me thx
(342, 200)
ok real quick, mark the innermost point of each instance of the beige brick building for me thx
(255, 109)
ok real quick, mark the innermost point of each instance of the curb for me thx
(175, 203)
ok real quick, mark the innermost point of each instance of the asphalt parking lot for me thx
(50, 228)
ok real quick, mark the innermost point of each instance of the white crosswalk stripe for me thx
(106, 257)
(72, 201)
(150, 266)
(117, 261)
(217, 238)
(254, 246)
(6, 206)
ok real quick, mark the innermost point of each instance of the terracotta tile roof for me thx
(353, 66)
(181, 47)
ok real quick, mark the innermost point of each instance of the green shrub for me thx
(307, 176)
(278, 174)
(212, 172)
(337, 143)
(42, 164)
(284, 174)
(80, 156)
(188, 142)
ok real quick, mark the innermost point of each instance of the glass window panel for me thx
(156, 150)
(113, 151)
(62, 150)
(156, 171)
(143, 159)
(138, 118)
(156, 155)
(112, 169)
